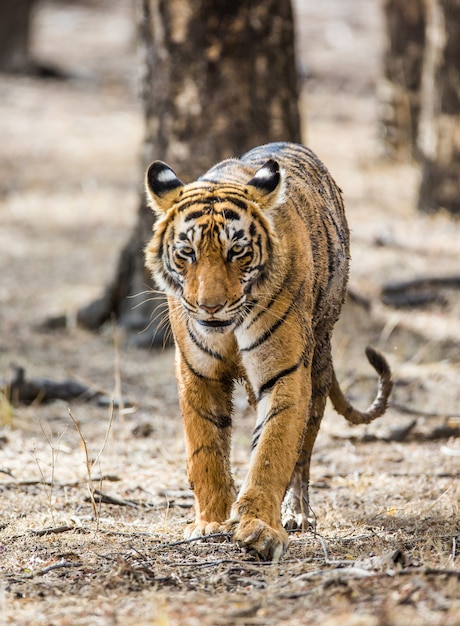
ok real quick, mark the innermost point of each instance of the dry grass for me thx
(93, 508)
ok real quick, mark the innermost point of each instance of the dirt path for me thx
(385, 497)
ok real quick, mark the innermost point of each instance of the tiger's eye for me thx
(185, 252)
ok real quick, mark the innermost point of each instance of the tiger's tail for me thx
(378, 407)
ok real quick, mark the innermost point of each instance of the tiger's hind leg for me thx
(296, 507)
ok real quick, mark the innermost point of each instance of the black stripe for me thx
(228, 190)
(241, 204)
(231, 191)
(255, 441)
(239, 233)
(257, 245)
(286, 281)
(204, 449)
(250, 270)
(202, 347)
(224, 421)
(196, 373)
(196, 202)
(267, 334)
(173, 274)
(289, 276)
(219, 421)
(339, 230)
(236, 305)
(330, 253)
(269, 305)
(335, 197)
(207, 203)
(197, 192)
(256, 435)
(162, 246)
(276, 411)
(271, 414)
(194, 215)
(172, 283)
(299, 206)
(263, 338)
(229, 214)
(272, 382)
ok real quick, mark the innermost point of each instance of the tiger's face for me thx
(213, 243)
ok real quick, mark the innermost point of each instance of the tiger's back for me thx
(254, 259)
(311, 193)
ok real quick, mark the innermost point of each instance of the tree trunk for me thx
(405, 22)
(220, 79)
(440, 116)
(15, 18)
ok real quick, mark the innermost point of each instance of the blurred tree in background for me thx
(15, 27)
(439, 128)
(405, 22)
(220, 78)
(422, 95)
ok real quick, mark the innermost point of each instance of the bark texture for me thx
(440, 117)
(220, 78)
(15, 18)
(405, 22)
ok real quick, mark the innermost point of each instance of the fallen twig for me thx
(237, 562)
(451, 282)
(40, 481)
(336, 573)
(20, 390)
(51, 531)
(356, 571)
(417, 292)
(59, 565)
(406, 433)
(402, 408)
(105, 498)
(435, 434)
(204, 538)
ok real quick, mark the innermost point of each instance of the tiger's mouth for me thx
(213, 323)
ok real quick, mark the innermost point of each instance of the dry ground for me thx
(385, 548)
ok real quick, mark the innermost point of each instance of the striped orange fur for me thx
(254, 257)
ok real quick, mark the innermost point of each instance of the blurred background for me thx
(92, 90)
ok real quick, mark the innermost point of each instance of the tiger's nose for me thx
(211, 308)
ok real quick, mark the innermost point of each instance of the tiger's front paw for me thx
(253, 533)
(202, 529)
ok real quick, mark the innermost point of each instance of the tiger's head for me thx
(214, 243)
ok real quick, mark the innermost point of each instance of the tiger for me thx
(254, 260)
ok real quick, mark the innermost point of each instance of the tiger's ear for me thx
(267, 185)
(162, 185)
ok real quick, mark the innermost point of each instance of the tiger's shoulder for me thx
(307, 181)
